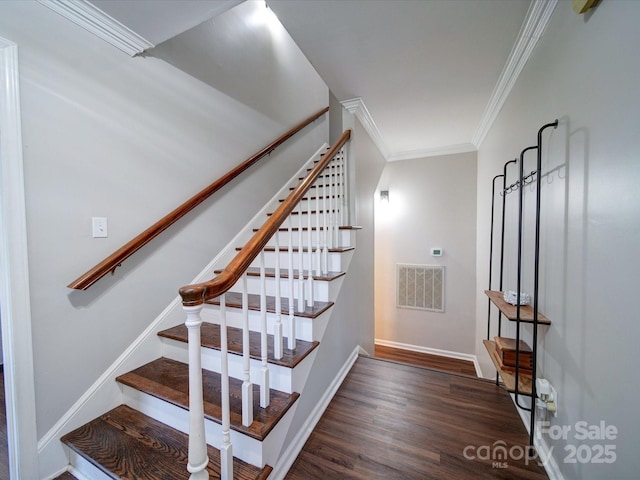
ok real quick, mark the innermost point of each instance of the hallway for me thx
(393, 421)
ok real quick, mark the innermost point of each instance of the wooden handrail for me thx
(199, 293)
(114, 260)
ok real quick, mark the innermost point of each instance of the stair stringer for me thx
(104, 394)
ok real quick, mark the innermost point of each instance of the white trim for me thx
(357, 107)
(544, 451)
(550, 465)
(295, 447)
(533, 27)
(15, 302)
(433, 152)
(432, 351)
(95, 21)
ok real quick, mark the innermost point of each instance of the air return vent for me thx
(421, 287)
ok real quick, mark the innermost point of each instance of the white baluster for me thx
(300, 261)
(247, 388)
(332, 198)
(336, 207)
(226, 450)
(291, 342)
(264, 384)
(277, 333)
(198, 459)
(343, 197)
(310, 255)
(325, 254)
(318, 246)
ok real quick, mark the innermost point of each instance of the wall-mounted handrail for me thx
(197, 294)
(114, 260)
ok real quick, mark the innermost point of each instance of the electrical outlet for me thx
(547, 396)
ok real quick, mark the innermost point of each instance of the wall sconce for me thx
(384, 196)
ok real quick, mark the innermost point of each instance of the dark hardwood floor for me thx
(426, 360)
(393, 421)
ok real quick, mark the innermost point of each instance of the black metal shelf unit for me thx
(523, 180)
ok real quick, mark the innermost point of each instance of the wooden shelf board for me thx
(509, 311)
(508, 378)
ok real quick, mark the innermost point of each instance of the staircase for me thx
(290, 287)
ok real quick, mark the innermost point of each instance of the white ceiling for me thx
(425, 69)
(426, 72)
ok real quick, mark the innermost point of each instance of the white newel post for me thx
(198, 459)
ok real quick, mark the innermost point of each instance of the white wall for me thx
(585, 72)
(130, 139)
(432, 203)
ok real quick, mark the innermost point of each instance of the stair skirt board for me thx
(283, 379)
(245, 448)
(433, 351)
(104, 394)
(295, 447)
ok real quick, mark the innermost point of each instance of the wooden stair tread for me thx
(127, 444)
(304, 229)
(313, 212)
(315, 186)
(234, 300)
(210, 335)
(284, 273)
(305, 249)
(168, 380)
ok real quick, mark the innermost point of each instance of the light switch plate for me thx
(99, 227)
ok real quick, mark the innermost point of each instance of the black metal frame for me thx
(523, 180)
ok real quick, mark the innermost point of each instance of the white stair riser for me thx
(284, 379)
(244, 447)
(345, 237)
(82, 468)
(334, 260)
(323, 291)
(304, 325)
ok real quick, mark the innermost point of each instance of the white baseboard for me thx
(544, 451)
(433, 351)
(294, 449)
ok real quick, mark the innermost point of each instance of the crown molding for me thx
(94, 20)
(433, 152)
(357, 107)
(533, 27)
